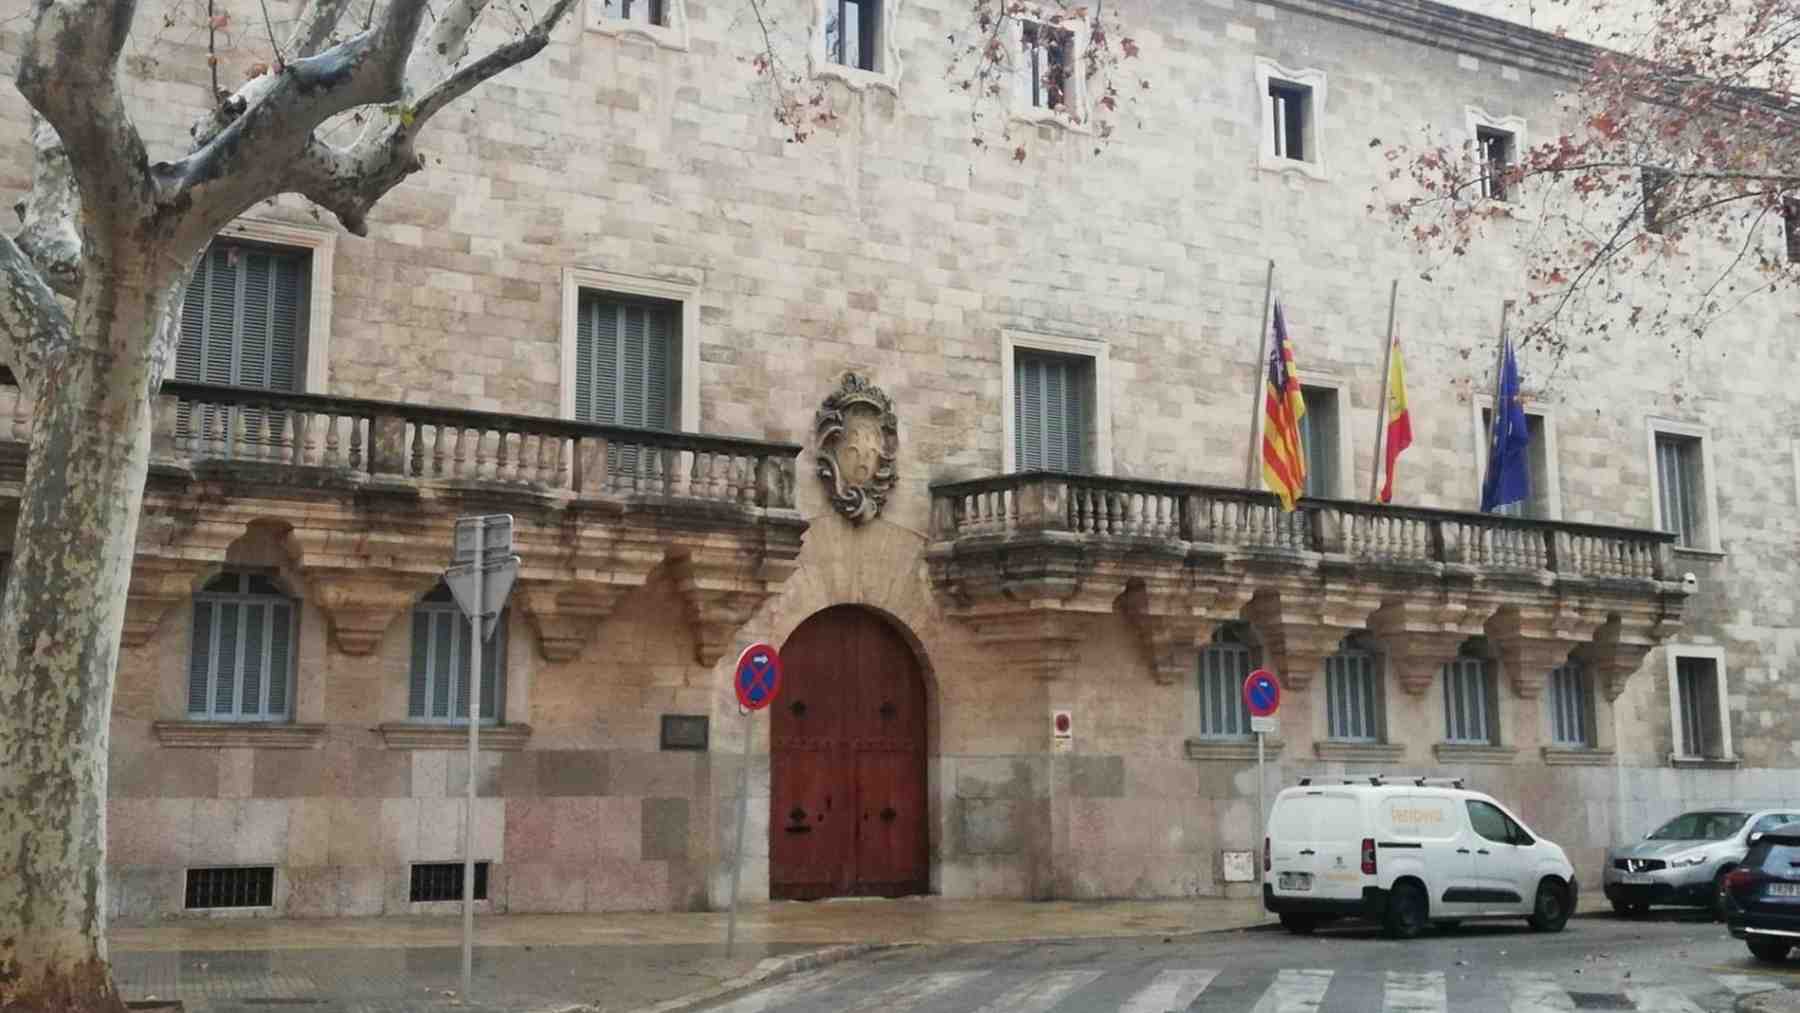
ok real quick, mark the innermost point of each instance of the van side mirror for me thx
(1757, 836)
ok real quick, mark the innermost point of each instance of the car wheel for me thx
(1768, 952)
(1550, 911)
(1299, 925)
(1628, 910)
(1719, 898)
(1408, 912)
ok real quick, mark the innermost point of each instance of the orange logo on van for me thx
(1416, 817)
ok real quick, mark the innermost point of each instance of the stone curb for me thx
(766, 972)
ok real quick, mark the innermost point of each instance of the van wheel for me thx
(1550, 912)
(1299, 925)
(1407, 912)
(1768, 952)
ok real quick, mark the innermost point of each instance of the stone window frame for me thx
(1709, 521)
(685, 292)
(320, 244)
(1095, 349)
(1346, 447)
(1474, 118)
(1079, 112)
(1678, 756)
(1316, 81)
(820, 65)
(673, 35)
(1480, 403)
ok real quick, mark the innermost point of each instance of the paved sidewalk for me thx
(609, 963)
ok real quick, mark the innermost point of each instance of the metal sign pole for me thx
(1260, 832)
(743, 816)
(475, 622)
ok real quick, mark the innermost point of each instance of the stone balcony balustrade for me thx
(364, 495)
(1029, 560)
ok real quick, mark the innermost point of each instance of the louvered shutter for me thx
(585, 393)
(200, 655)
(658, 376)
(286, 331)
(1052, 406)
(281, 645)
(241, 318)
(253, 320)
(442, 653)
(225, 660)
(625, 369)
(256, 623)
(1028, 412)
(493, 663)
(419, 683)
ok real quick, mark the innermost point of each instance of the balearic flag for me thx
(1284, 460)
(1399, 419)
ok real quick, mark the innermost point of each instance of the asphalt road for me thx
(1667, 963)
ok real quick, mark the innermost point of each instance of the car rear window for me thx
(1775, 858)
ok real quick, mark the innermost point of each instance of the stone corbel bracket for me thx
(1420, 636)
(158, 585)
(1045, 642)
(1175, 622)
(1532, 640)
(564, 613)
(1618, 648)
(1302, 624)
(722, 587)
(363, 580)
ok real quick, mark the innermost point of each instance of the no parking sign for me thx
(758, 677)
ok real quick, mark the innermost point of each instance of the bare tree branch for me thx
(69, 73)
(437, 55)
(33, 325)
(50, 212)
(316, 25)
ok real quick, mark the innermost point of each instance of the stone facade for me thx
(891, 247)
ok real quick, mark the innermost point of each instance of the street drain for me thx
(1600, 1000)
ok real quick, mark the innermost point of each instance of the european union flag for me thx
(1508, 470)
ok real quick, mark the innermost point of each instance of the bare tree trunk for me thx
(60, 621)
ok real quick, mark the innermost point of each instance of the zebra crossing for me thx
(1243, 990)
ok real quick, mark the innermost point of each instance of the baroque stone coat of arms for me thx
(858, 440)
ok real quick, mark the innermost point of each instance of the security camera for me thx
(1689, 581)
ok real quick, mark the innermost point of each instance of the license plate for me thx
(1784, 889)
(1634, 879)
(1295, 881)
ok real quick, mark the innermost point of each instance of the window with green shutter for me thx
(243, 318)
(1053, 412)
(438, 689)
(241, 655)
(626, 363)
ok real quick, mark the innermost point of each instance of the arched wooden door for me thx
(847, 760)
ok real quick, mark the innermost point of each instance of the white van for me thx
(1406, 853)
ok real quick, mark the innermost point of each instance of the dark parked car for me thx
(1763, 895)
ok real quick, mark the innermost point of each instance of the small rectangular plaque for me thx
(684, 731)
(1268, 725)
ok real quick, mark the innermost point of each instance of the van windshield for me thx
(1700, 826)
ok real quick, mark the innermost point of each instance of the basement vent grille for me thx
(249, 886)
(433, 881)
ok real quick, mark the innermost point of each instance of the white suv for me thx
(1406, 853)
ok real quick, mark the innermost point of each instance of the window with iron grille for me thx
(1498, 150)
(438, 689)
(1571, 706)
(1469, 701)
(1353, 693)
(1046, 65)
(1319, 439)
(250, 886)
(1292, 115)
(1697, 682)
(241, 654)
(1224, 665)
(1678, 482)
(435, 881)
(1053, 398)
(243, 318)
(852, 31)
(644, 12)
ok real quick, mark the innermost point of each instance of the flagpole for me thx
(1381, 406)
(1494, 415)
(1259, 380)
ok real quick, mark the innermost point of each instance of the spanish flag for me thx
(1399, 420)
(1284, 459)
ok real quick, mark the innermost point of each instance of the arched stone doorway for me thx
(848, 816)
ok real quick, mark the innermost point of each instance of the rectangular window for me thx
(1223, 712)
(1537, 461)
(1678, 482)
(438, 881)
(1656, 197)
(1319, 437)
(1571, 707)
(1697, 683)
(438, 690)
(1053, 398)
(243, 319)
(1046, 64)
(1353, 696)
(627, 366)
(851, 28)
(253, 886)
(1498, 150)
(1468, 702)
(644, 12)
(1292, 107)
(241, 654)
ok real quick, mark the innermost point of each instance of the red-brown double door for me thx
(848, 813)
